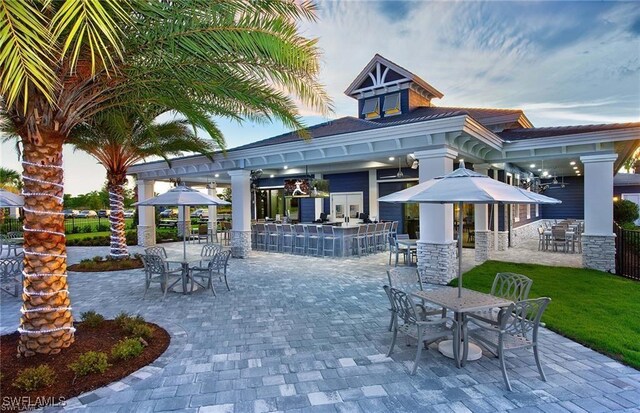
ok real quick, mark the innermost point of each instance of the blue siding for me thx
(389, 211)
(308, 210)
(348, 182)
(572, 197)
(626, 189)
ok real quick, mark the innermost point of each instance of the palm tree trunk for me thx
(116, 219)
(46, 325)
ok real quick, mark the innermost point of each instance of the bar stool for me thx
(328, 234)
(359, 241)
(379, 236)
(385, 233)
(371, 238)
(272, 237)
(286, 238)
(299, 239)
(261, 237)
(314, 240)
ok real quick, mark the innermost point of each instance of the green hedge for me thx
(162, 235)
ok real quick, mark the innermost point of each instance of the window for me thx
(391, 104)
(371, 108)
(537, 210)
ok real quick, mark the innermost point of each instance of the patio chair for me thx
(509, 285)
(395, 249)
(209, 251)
(286, 238)
(359, 240)
(261, 236)
(380, 244)
(216, 266)
(559, 238)
(10, 242)
(156, 270)
(314, 240)
(11, 278)
(273, 238)
(541, 239)
(409, 280)
(517, 329)
(328, 235)
(404, 309)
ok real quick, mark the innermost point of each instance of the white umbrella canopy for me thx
(464, 186)
(9, 199)
(183, 196)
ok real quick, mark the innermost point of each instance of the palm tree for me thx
(117, 139)
(64, 61)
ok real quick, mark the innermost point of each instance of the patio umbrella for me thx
(464, 186)
(9, 199)
(183, 196)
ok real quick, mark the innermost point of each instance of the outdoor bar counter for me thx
(344, 233)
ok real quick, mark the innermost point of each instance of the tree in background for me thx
(62, 62)
(117, 139)
(10, 180)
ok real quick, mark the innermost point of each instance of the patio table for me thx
(568, 234)
(186, 265)
(410, 244)
(470, 301)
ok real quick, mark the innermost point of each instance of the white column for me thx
(240, 212)
(374, 206)
(598, 239)
(14, 212)
(481, 225)
(146, 214)
(436, 247)
(319, 202)
(213, 211)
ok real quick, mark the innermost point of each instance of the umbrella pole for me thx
(184, 232)
(459, 249)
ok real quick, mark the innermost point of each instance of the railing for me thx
(627, 252)
(71, 225)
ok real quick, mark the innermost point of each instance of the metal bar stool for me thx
(287, 238)
(328, 235)
(314, 241)
(272, 238)
(299, 239)
(261, 237)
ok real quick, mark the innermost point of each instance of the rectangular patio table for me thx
(186, 265)
(470, 301)
(568, 234)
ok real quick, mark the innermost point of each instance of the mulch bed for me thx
(106, 265)
(100, 338)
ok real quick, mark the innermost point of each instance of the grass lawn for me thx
(599, 310)
(88, 235)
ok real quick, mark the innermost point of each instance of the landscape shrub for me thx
(34, 378)
(87, 228)
(625, 211)
(91, 318)
(127, 349)
(90, 362)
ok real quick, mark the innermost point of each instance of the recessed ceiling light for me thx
(286, 167)
(461, 160)
(539, 169)
(575, 167)
(391, 158)
(217, 175)
(533, 165)
(572, 163)
(272, 176)
(545, 173)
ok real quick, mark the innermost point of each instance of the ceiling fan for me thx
(398, 175)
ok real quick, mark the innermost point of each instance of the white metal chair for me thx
(509, 285)
(156, 270)
(11, 277)
(518, 328)
(216, 266)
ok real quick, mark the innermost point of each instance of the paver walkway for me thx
(301, 334)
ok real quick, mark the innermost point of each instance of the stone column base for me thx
(438, 263)
(146, 236)
(503, 240)
(482, 245)
(599, 252)
(240, 244)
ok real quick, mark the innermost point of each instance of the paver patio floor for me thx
(310, 335)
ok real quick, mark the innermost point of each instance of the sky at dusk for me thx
(563, 63)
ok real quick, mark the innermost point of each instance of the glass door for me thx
(345, 206)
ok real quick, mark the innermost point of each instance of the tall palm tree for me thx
(64, 61)
(117, 139)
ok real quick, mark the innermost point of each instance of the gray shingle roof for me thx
(531, 133)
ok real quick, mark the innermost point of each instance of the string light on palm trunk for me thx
(29, 252)
(118, 248)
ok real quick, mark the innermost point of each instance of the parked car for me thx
(169, 213)
(70, 213)
(87, 213)
(104, 213)
(128, 213)
(200, 214)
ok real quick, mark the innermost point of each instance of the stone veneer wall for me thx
(528, 231)
(438, 262)
(599, 252)
(503, 240)
(240, 244)
(482, 245)
(146, 236)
